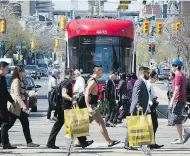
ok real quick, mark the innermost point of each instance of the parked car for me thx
(31, 89)
(44, 72)
(11, 69)
(33, 71)
(42, 65)
(163, 73)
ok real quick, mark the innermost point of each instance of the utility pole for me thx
(2, 49)
(19, 52)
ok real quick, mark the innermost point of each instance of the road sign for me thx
(152, 64)
(19, 47)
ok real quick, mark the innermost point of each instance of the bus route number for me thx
(104, 32)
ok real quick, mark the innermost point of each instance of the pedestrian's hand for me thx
(74, 103)
(24, 109)
(170, 106)
(140, 109)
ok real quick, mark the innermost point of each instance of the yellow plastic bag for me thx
(76, 122)
(140, 130)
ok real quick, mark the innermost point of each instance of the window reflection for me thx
(108, 51)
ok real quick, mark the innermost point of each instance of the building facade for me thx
(155, 10)
(184, 8)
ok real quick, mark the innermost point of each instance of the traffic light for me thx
(124, 4)
(63, 22)
(144, 2)
(159, 28)
(3, 25)
(56, 43)
(21, 57)
(146, 27)
(177, 27)
(32, 45)
(152, 48)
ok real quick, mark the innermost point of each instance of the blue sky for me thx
(83, 5)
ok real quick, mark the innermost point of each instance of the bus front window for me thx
(93, 51)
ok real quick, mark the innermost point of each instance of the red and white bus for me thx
(106, 42)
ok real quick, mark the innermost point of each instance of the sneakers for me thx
(32, 145)
(177, 141)
(186, 136)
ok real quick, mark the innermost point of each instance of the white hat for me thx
(77, 72)
(54, 72)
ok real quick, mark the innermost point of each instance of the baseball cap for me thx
(177, 63)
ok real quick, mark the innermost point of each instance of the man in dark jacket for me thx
(140, 98)
(4, 98)
(111, 98)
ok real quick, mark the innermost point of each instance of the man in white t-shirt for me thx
(79, 86)
(53, 82)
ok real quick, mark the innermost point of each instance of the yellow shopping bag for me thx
(76, 122)
(140, 130)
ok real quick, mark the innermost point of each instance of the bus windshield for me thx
(108, 51)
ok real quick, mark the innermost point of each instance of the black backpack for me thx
(55, 97)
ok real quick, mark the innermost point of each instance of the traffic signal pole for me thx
(2, 49)
(19, 52)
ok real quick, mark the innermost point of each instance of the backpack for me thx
(55, 97)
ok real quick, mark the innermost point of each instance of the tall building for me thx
(16, 7)
(165, 10)
(184, 8)
(155, 10)
(96, 7)
(31, 7)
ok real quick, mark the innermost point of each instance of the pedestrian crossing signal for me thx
(159, 28)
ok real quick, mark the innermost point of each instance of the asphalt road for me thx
(40, 131)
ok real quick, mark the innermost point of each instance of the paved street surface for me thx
(40, 131)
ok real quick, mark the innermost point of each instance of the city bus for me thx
(106, 42)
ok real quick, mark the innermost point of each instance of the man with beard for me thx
(140, 98)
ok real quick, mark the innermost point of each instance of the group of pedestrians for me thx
(13, 105)
(118, 97)
(134, 95)
(91, 102)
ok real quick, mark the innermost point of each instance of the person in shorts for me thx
(178, 100)
(91, 99)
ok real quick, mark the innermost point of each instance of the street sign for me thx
(19, 47)
(152, 64)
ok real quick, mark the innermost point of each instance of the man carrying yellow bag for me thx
(65, 106)
(140, 128)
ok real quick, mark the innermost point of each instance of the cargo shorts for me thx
(175, 114)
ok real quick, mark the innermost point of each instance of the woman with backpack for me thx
(19, 110)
